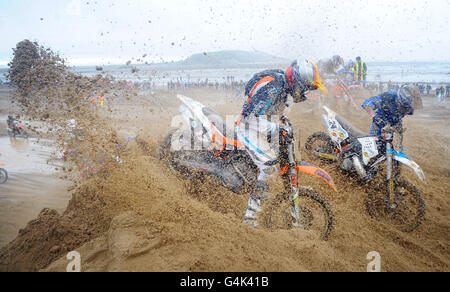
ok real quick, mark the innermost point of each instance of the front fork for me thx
(294, 198)
(288, 167)
(390, 178)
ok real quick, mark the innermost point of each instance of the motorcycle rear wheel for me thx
(315, 213)
(320, 144)
(3, 176)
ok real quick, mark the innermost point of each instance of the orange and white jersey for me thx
(267, 94)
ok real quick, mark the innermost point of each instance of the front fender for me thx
(404, 159)
(311, 169)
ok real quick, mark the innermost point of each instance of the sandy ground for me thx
(143, 218)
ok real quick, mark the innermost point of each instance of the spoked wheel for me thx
(320, 147)
(406, 214)
(315, 213)
(3, 176)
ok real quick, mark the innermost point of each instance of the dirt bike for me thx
(17, 130)
(341, 85)
(3, 174)
(226, 162)
(360, 154)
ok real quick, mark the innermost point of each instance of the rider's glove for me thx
(299, 97)
(379, 122)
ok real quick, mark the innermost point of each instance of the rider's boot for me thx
(251, 215)
(254, 208)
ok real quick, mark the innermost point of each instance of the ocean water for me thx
(426, 72)
(409, 72)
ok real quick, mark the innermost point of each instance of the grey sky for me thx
(114, 31)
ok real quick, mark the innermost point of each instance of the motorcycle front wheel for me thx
(315, 213)
(3, 176)
(406, 213)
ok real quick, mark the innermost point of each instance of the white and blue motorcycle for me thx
(364, 156)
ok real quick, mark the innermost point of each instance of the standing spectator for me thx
(428, 89)
(380, 87)
(360, 71)
(442, 94)
(422, 88)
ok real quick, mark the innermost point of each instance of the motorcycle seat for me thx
(351, 129)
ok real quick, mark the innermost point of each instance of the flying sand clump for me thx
(52, 96)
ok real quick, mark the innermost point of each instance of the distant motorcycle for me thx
(3, 174)
(16, 130)
(361, 154)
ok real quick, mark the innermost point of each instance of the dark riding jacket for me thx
(267, 94)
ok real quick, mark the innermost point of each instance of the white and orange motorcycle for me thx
(224, 161)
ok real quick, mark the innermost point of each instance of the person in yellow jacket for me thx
(360, 70)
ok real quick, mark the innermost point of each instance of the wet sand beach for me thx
(32, 185)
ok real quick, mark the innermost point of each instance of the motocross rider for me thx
(331, 70)
(330, 67)
(391, 107)
(267, 94)
(10, 121)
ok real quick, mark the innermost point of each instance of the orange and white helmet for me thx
(303, 75)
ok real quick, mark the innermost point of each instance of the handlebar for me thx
(388, 133)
